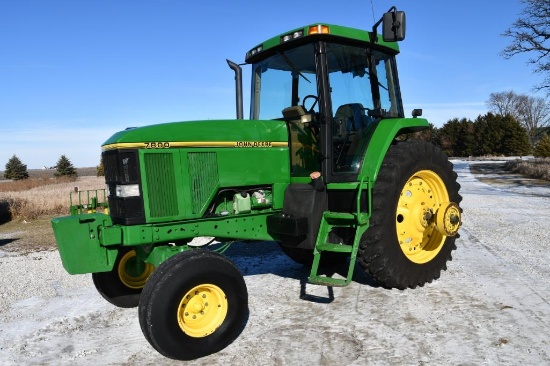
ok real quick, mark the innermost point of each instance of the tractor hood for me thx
(213, 133)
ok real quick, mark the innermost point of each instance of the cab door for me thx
(360, 91)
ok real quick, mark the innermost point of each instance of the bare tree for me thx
(504, 103)
(535, 115)
(531, 34)
(532, 112)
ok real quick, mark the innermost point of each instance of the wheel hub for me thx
(448, 219)
(202, 310)
(424, 216)
(132, 272)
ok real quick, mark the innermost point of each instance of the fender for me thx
(385, 133)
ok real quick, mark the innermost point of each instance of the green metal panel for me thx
(77, 238)
(253, 166)
(381, 140)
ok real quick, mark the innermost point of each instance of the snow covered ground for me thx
(490, 307)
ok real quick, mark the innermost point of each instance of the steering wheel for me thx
(314, 97)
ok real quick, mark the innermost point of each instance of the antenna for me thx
(372, 9)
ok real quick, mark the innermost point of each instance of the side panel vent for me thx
(203, 178)
(161, 184)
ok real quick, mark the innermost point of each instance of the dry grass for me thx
(538, 168)
(34, 198)
(27, 184)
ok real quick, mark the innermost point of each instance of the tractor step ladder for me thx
(357, 221)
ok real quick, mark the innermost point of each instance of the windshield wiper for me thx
(292, 66)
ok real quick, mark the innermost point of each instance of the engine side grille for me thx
(203, 177)
(161, 184)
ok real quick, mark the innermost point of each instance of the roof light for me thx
(292, 36)
(319, 29)
(255, 51)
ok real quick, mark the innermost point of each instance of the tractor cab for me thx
(332, 85)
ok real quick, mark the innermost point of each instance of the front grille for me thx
(122, 167)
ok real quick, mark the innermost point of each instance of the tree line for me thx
(16, 170)
(516, 125)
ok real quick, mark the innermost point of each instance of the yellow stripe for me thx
(178, 144)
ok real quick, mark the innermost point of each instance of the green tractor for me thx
(320, 167)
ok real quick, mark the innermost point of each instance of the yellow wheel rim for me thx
(127, 271)
(419, 201)
(202, 310)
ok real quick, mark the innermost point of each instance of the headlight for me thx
(128, 190)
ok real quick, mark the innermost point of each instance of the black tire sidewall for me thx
(390, 266)
(163, 294)
(110, 286)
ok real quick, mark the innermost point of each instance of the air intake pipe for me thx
(238, 86)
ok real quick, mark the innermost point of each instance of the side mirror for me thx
(416, 113)
(393, 26)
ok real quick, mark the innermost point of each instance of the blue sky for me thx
(73, 72)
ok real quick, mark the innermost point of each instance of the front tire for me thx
(415, 216)
(122, 285)
(194, 304)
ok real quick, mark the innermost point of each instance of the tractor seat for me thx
(351, 117)
(296, 114)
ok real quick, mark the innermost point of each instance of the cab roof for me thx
(317, 31)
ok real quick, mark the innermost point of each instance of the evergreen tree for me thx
(515, 141)
(100, 169)
(500, 135)
(426, 134)
(15, 169)
(542, 148)
(64, 167)
(489, 135)
(456, 137)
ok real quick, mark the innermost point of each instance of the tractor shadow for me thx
(7, 241)
(5, 212)
(256, 258)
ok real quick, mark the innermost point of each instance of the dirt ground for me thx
(491, 306)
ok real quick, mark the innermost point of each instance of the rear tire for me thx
(194, 304)
(402, 247)
(119, 287)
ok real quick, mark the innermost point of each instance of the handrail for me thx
(92, 201)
